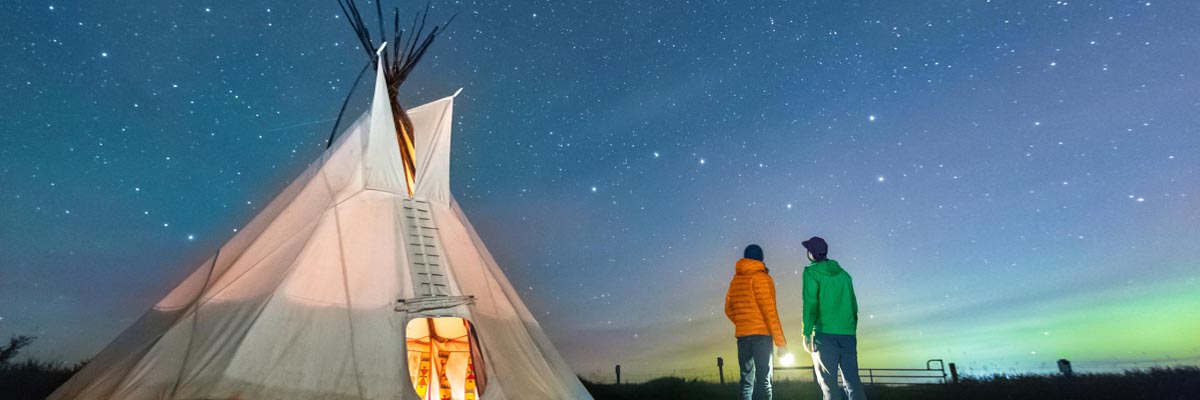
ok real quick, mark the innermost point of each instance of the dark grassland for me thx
(29, 379)
(1155, 383)
(32, 379)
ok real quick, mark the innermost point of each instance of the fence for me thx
(935, 371)
(884, 376)
(1080, 367)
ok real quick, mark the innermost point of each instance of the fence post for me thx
(953, 373)
(1064, 366)
(618, 374)
(721, 369)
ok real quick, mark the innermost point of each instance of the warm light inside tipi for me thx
(443, 359)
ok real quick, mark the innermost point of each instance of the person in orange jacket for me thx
(750, 304)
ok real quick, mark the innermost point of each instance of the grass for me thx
(29, 379)
(36, 380)
(1155, 383)
(32, 379)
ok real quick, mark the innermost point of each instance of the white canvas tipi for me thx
(344, 287)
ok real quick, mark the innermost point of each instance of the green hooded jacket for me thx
(829, 302)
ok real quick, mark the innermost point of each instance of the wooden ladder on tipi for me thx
(429, 275)
(429, 280)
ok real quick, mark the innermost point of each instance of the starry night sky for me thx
(1008, 182)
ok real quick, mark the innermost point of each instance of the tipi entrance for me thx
(444, 361)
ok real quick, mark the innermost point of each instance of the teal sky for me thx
(1009, 183)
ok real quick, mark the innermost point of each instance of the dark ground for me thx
(1158, 383)
(31, 379)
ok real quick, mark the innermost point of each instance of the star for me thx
(779, 133)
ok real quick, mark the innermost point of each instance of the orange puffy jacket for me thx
(750, 302)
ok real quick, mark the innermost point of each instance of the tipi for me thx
(345, 287)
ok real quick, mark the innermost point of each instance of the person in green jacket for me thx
(830, 323)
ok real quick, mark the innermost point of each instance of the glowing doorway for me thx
(444, 359)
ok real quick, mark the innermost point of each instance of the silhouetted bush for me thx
(15, 344)
(29, 379)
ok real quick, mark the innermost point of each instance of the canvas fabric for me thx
(302, 302)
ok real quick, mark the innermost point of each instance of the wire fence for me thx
(1078, 367)
(935, 371)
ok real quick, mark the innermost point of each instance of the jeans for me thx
(754, 362)
(834, 352)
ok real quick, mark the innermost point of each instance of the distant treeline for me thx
(29, 379)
